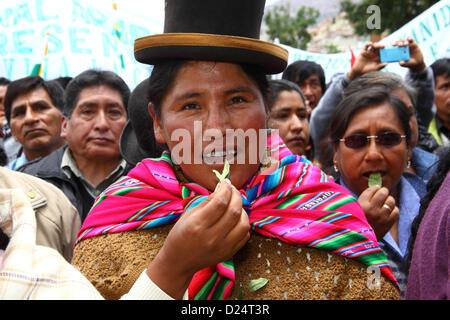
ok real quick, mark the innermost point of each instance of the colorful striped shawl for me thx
(293, 201)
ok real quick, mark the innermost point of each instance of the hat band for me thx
(210, 40)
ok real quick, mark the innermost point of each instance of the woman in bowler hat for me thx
(204, 222)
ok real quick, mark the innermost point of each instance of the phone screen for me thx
(394, 54)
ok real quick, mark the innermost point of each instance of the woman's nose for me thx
(296, 124)
(373, 151)
(217, 119)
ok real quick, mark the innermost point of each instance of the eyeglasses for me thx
(386, 139)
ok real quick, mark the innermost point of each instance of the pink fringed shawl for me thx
(293, 201)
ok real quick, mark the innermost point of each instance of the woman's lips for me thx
(298, 140)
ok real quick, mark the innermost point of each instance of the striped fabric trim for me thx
(294, 202)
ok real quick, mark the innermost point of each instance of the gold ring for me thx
(387, 207)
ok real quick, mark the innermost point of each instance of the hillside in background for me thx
(327, 8)
(333, 32)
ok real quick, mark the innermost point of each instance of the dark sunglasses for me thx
(386, 139)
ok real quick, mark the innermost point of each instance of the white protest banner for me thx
(430, 30)
(81, 35)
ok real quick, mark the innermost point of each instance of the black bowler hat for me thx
(137, 140)
(213, 30)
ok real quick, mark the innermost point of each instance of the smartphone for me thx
(394, 54)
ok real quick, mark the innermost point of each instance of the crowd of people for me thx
(351, 176)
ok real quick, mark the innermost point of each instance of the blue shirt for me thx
(18, 162)
(425, 163)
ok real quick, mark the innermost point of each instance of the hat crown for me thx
(225, 17)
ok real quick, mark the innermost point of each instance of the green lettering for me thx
(78, 12)
(3, 42)
(8, 63)
(19, 43)
(95, 17)
(109, 43)
(422, 28)
(436, 22)
(27, 66)
(40, 12)
(445, 17)
(329, 60)
(413, 34)
(76, 39)
(23, 12)
(6, 19)
(434, 50)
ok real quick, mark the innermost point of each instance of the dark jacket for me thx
(49, 168)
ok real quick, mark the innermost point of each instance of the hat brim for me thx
(211, 47)
(129, 146)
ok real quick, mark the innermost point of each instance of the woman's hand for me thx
(368, 60)
(380, 209)
(416, 62)
(208, 234)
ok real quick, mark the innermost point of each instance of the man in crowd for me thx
(10, 147)
(94, 116)
(33, 111)
(310, 77)
(440, 124)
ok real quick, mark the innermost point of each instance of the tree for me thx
(392, 15)
(290, 30)
(331, 48)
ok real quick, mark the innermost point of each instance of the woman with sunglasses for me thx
(371, 136)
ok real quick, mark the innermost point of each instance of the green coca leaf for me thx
(257, 284)
(375, 179)
(225, 173)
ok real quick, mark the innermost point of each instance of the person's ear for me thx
(335, 158)
(64, 125)
(157, 126)
(335, 152)
(409, 153)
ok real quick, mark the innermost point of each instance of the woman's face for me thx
(356, 165)
(290, 116)
(213, 111)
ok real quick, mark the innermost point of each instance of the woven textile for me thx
(293, 201)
